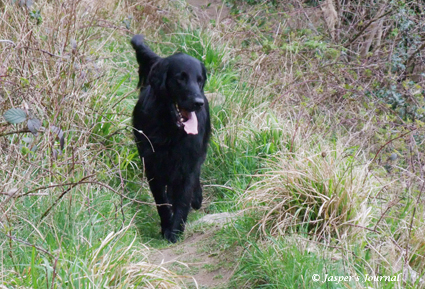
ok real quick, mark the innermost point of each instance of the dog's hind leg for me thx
(162, 204)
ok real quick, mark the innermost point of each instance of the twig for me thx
(61, 195)
(413, 54)
(44, 51)
(411, 221)
(115, 132)
(220, 186)
(28, 244)
(365, 27)
(290, 90)
(329, 246)
(18, 196)
(56, 263)
(390, 205)
(118, 193)
(13, 132)
(8, 41)
(123, 97)
(400, 136)
(85, 182)
(48, 187)
(338, 22)
(297, 125)
(362, 227)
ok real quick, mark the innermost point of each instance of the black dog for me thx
(172, 127)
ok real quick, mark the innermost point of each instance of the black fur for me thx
(172, 158)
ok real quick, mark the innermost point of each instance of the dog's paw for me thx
(170, 236)
(196, 203)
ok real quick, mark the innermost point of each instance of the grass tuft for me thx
(321, 190)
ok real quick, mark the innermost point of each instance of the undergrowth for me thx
(317, 142)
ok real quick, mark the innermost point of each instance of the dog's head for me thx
(179, 79)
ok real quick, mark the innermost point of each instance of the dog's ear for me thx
(158, 75)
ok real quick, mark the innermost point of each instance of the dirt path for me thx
(210, 9)
(200, 257)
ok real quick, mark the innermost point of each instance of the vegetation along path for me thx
(315, 172)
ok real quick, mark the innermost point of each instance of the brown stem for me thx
(414, 53)
(400, 136)
(28, 244)
(411, 221)
(365, 27)
(390, 205)
(13, 132)
(61, 195)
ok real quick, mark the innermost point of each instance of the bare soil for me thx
(210, 9)
(199, 259)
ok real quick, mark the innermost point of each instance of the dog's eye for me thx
(200, 82)
(182, 77)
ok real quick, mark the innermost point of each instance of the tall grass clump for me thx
(321, 190)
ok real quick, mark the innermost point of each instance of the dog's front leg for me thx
(197, 194)
(162, 204)
(182, 196)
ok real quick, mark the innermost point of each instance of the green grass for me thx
(194, 42)
(87, 246)
(279, 265)
(291, 261)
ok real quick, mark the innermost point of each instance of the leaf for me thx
(15, 115)
(34, 125)
(56, 153)
(73, 44)
(56, 130)
(27, 139)
(11, 192)
(34, 148)
(25, 82)
(62, 142)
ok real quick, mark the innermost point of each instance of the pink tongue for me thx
(191, 125)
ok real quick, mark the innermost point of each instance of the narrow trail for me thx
(198, 257)
(210, 9)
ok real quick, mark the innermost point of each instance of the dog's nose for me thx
(198, 103)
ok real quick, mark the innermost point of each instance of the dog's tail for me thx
(145, 57)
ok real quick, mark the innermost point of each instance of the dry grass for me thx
(62, 185)
(56, 71)
(302, 108)
(346, 116)
(321, 190)
(114, 267)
